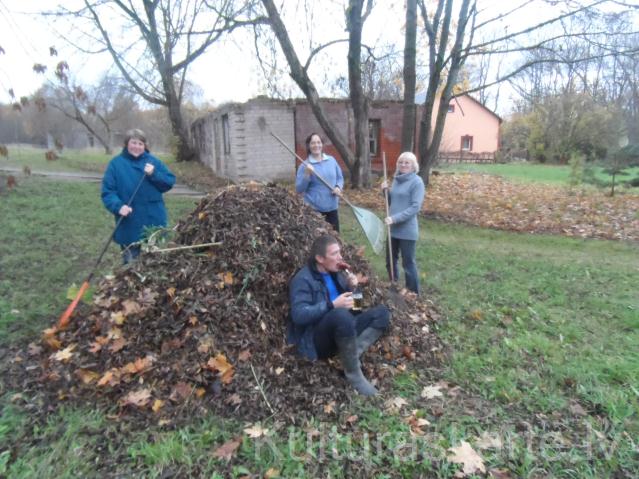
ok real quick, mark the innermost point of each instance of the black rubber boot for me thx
(366, 339)
(352, 368)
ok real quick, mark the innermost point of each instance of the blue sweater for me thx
(406, 198)
(118, 184)
(316, 194)
(309, 301)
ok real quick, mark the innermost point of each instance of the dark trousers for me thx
(407, 249)
(342, 323)
(332, 218)
(129, 253)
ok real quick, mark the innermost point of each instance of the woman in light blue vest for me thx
(316, 194)
(406, 196)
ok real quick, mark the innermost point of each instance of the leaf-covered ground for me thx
(205, 330)
(492, 202)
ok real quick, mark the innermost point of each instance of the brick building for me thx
(235, 140)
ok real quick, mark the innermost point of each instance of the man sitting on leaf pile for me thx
(321, 320)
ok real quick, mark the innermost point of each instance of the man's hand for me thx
(149, 169)
(337, 191)
(125, 210)
(388, 220)
(344, 300)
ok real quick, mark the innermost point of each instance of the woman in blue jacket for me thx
(406, 197)
(316, 193)
(122, 176)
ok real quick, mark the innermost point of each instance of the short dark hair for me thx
(135, 134)
(320, 246)
(308, 141)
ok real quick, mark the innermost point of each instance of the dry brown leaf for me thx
(110, 378)
(488, 441)
(227, 450)
(157, 405)
(131, 307)
(431, 392)
(138, 366)
(329, 408)
(464, 454)
(244, 355)
(87, 376)
(220, 364)
(271, 473)
(138, 398)
(118, 318)
(256, 430)
(117, 345)
(65, 354)
(234, 399)
(181, 391)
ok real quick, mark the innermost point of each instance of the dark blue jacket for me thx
(118, 184)
(309, 300)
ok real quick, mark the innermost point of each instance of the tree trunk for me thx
(360, 173)
(300, 76)
(410, 53)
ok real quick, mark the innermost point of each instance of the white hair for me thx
(407, 155)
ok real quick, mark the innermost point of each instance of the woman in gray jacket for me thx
(406, 196)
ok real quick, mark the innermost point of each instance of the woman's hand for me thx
(384, 185)
(149, 169)
(126, 210)
(388, 220)
(344, 300)
(309, 170)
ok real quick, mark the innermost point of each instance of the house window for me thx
(374, 127)
(451, 108)
(226, 134)
(467, 143)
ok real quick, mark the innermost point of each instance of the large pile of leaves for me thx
(205, 329)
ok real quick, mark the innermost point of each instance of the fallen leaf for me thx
(87, 376)
(256, 430)
(110, 378)
(234, 399)
(464, 454)
(220, 364)
(118, 318)
(500, 474)
(244, 355)
(279, 371)
(138, 366)
(488, 441)
(65, 354)
(329, 408)
(117, 345)
(131, 307)
(395, 404)
(157, 405)
(138, 398)
(227, 450)
(34, 349)
(430, 392)
(352, 419)
(181, 391)
(200, 392)
(271, 473)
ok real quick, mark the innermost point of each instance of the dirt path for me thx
(178, 189)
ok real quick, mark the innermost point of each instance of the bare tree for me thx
(172, 35)
(358, 162)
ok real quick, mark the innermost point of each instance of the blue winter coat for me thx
(118, 184)
(309, 301)
(316, 193)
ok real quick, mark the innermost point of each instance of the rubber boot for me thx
(352, 368)
(366, 339)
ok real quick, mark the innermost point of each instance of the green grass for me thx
(532, 172)
(533, 324)
(51, 236)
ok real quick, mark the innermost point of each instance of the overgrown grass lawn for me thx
(541, 332)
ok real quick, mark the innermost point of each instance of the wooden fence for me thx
(465, 157)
